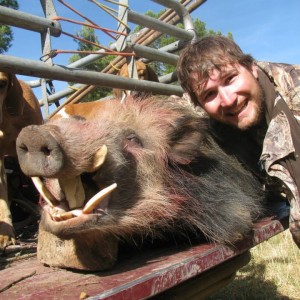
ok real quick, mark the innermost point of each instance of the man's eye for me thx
(209, 95)
(230, 78)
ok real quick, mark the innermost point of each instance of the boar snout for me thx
(38, 152)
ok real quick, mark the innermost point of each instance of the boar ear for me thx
(99, 159)
(186, 141)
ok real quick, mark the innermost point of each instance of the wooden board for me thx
(136, 277)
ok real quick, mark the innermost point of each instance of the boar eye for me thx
(134, 140)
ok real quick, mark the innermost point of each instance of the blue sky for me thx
(266, 29)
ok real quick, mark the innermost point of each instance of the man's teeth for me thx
(237, 110)
(60, 215)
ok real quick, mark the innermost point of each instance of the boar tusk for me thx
(73, 190)
(99, 159)
(44, 191)
(96, 199)
(70, 214)
(66, 215)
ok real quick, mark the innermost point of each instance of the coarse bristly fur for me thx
(172, 177)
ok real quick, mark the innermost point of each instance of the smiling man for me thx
(253, 102)
(231, 96)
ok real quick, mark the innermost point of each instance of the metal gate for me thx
(49, 27)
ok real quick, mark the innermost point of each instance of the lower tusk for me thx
(96, 199)
(67, 215)
(44, 191)
(71, 214)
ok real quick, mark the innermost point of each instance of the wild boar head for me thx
(158, 169)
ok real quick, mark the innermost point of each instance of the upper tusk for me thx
(44, 191)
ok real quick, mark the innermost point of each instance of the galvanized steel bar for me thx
(182, 12)
(122, 24)
(50, 13)
(32, 22)
(154, 54)
(160, 26)
(168, 78)
(63, 93)
(39, 69)
(27, 21)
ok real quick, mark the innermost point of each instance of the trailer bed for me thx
(160, 272)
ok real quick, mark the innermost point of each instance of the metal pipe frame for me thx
(38, 24)
(160, 26)
(34, 68)
(154, 54)
(27, 21)
(168, 78)
(182, 12)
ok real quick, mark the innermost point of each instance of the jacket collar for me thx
(270, 93)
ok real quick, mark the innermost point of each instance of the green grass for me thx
(273, 273)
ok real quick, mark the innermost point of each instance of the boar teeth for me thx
(95, 200)
(63, 216)
(73, 190)
(66, 215)
(44, 191)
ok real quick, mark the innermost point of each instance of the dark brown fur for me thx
(171, 175)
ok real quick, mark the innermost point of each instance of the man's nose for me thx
(227, 97)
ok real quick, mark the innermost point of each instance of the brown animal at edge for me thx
(144, 72)
(160, 172)
(18, 108)
(89, 110)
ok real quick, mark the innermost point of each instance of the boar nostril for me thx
(46, 150)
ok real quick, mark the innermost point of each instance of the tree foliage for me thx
(164, 40)
(6, 33)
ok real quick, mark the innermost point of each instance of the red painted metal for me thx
(139, 277)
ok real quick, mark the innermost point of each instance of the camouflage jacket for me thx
(281, 146)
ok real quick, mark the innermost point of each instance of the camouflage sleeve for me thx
(287, 80)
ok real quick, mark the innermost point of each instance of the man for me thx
(253, 102)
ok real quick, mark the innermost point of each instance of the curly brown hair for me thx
(206, 54)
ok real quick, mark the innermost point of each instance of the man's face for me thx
(232, 97)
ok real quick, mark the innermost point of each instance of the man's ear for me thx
(254, 70)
